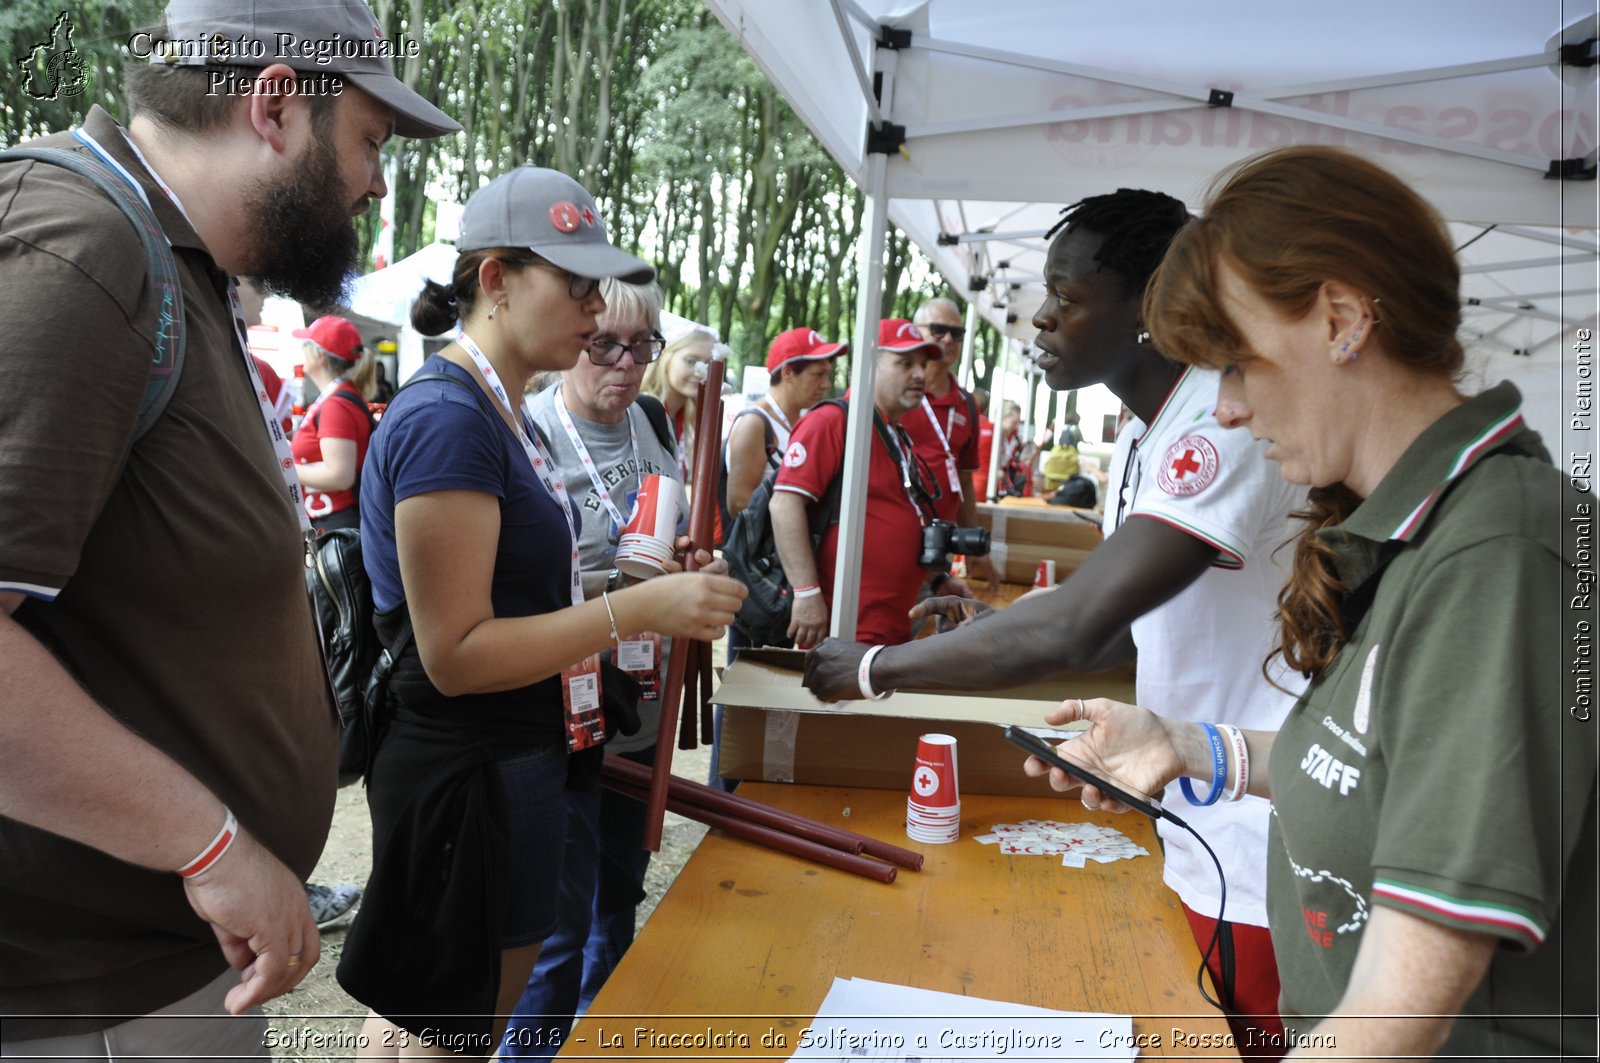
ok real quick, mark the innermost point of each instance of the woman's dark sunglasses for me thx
(609, 352)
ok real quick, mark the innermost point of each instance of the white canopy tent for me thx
(969, 123)
(387, 295)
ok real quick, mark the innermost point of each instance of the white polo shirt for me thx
(1200, 654)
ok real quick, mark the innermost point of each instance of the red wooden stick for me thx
(690, 792)
(708, 440)
(773, 839)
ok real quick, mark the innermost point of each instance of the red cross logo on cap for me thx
(588, 216)
(908, 329)
(1189, 467)
(564, 216)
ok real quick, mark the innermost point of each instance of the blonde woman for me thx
(331, 443)
(674, 379)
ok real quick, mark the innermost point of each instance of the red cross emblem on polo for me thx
(1189, 467)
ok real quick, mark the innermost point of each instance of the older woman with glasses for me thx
(471, 540)
(1431, 864)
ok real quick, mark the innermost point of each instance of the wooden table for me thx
(747, 941)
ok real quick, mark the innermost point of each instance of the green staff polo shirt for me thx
(1435, 769)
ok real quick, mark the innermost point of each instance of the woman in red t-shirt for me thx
(331, 442)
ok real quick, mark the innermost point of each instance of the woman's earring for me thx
(1142, 337)
(494, 310)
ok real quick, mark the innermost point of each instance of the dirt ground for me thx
(319, 1009)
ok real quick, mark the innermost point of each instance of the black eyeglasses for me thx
(580, 288)
(940, 332)
(609, 352)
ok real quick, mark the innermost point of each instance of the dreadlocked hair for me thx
(1135, 226)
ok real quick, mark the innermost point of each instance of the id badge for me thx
(641, 658)
(580, 694)
(950, 471)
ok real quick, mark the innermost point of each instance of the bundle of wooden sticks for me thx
(765, 825)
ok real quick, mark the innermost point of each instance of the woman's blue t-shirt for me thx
(440, 436)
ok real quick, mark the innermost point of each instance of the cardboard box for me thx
(774, 730)
(1022, 536)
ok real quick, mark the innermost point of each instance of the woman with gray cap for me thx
(470, 542)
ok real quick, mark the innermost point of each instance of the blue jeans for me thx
(602, 884)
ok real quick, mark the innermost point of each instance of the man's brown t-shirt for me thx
(170, 586)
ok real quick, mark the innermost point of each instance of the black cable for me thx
(1222, 910)
(1480, 236)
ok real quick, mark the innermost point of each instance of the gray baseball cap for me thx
(554, 217)
(338, 37)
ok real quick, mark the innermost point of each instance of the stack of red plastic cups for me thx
(933, 811)
(645, 545)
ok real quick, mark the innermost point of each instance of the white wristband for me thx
(1241, 760)
(864, 675)
(807, 592)
(215, 848)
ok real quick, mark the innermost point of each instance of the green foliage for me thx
(700, 164)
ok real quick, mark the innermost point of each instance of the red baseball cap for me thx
(898, 335)
(333, 334)
(801, 345)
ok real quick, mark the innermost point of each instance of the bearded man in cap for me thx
(168, 737)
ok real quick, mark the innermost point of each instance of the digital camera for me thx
(941, 537)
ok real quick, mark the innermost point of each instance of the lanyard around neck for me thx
(322, 397)
(544, 467)
(777, 408)
(588, 462)
(933, 419)
(269, 417)
(900, 450)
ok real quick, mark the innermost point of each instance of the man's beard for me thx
(306, 244)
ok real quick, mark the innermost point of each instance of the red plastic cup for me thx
(933, 809)
(1045, 574)
(646, 542)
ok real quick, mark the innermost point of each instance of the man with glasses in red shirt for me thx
(944, 428)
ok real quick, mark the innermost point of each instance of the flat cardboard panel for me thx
(1022, 536)
(1059, 526)
(774, 730)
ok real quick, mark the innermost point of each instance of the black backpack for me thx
(359, 664)
(752, 552)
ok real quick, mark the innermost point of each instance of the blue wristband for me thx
(1219, 770)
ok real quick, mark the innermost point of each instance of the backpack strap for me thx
(169, 338)
(657, 413)
(359, 403)
(768, 436)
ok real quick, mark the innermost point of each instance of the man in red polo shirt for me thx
(890, 574)
(944, 427)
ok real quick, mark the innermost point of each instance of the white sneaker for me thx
(329, 904)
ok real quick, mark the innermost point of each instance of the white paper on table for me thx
(861, 1019)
